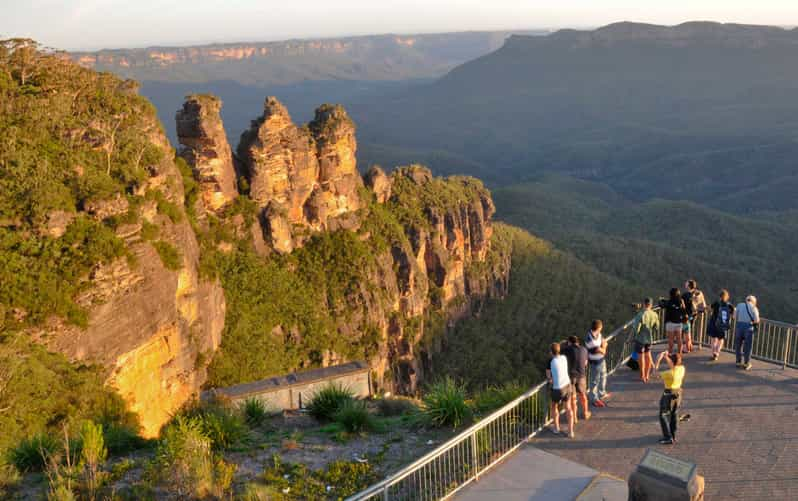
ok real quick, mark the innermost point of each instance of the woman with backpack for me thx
(720, 322)
(675, 318)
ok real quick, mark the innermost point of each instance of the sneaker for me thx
(599, 403)
(606, 396)
(666, 441)
(740, 365)
(587, 416)
(747, 366)
(571, 434)
(684, 418)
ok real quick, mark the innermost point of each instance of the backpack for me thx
(723, 318)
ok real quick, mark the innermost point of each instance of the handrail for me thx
(442, 472)
(467, 455)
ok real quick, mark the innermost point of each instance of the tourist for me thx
(577, 355)
(720, 322)
(645, 324)
(672, 396)
(696, 306)
(596, 348)
(747, 325)
(675, 318)
(557, 375)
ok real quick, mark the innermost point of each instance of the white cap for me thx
(751, 299)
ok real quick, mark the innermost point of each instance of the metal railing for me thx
(442, 472)
(461, 460)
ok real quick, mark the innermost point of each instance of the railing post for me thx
(474, 455)
(787, 348)
(385, 493)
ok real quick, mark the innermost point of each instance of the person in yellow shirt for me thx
(672, 396)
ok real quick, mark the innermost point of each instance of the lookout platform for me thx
(743, 435)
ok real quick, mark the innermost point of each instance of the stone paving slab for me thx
(743, 432)
(530, 474)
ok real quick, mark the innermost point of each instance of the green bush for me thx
(327, 401)
(31, 453)
(354, 416)
(184, 463)
(122, 439)
(338, 480)
(390, 407)
(256, 412)
(445, 404)
(170, 256)
(493, 397)
(221, 424)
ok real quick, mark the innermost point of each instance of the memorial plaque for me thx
(675, 470)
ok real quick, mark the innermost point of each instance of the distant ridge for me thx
(693, 32)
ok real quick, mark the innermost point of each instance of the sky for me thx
(95, 24)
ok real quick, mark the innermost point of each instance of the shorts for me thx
(673, 328)
(717, 333)
(559, 396)
(579, 384)
(642, 348)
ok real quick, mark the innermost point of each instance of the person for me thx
(596, 349)
(645, 324)
(557, 375)
(747, 325)
(675, 318)
(720, 320)
(696, 305)
(672, 396)
(576, 354)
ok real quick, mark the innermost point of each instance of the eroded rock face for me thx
(206, 150)
(304, 179)
(379, 183)
(150, 327)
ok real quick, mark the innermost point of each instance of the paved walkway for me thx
(743, 432)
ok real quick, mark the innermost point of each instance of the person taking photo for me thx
(672, 395)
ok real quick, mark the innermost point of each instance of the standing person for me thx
(675, 318)
(646, 323)
(596, 349)
(576, 354)
(672, 396)
(747, 325)
(696, 305)
(720, 322)
(557, 375)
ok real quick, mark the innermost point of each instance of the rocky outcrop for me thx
(205, 149)
(379, 183)
(152, 328)
(303, 179)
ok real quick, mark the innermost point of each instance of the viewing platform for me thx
(742, 434)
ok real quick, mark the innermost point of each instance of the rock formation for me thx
(303, 179)
(148, 326)
(205, 149)
(379, 183)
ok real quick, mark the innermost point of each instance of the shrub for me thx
(390, 407)
(183, 461)
(326, 402)
(255, 411)
(493, 397)
(445, 404)
(354, 416)
(170, 256)
(92, 455)
(347, 477)
(221, 424)
(31, 453)
(121, 439)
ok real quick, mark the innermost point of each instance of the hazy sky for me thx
(81, 24)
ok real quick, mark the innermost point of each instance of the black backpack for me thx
(723, 318)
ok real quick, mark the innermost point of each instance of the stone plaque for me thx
(673, 469)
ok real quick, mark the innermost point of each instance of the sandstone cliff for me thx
(304, 179)
(205, 149)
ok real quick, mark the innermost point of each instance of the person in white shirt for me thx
(560, 389)
(596, 349)
(747, 315)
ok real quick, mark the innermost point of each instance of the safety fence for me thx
(461, 460)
